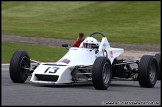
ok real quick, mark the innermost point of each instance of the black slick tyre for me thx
(147, 71)
(158, 58)
(19, 64)
(101, 73)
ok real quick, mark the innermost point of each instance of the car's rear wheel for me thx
(101, 73)
(19, 66)
(158, 58)
(147, 71)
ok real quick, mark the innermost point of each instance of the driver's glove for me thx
(80, 36)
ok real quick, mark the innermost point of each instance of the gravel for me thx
(132, 51)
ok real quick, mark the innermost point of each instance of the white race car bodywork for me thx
(60, 71)
(92, 61)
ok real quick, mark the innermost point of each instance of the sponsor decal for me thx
(111, 54)
(64, 61)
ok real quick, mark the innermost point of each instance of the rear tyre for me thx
(19, 61)
(148, 71)
(101, 73)
(158, 58)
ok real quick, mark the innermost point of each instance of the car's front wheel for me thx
(101, 73)
(19, 66)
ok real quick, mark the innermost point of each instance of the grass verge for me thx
(122, 22)
(39, 53)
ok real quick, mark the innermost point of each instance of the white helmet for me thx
(89, 41)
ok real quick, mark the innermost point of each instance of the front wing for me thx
(52, 73)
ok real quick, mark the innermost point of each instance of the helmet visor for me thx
(87, 45)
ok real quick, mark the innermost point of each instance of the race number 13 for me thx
(52, 70)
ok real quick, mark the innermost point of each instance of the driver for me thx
(87, 43)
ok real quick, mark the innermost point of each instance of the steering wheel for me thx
(97, 33)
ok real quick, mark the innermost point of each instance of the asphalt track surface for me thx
(118, 93)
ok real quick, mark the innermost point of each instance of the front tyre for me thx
(19, 66)
(101, 73)
(148, 71)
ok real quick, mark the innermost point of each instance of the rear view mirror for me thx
(65, 46)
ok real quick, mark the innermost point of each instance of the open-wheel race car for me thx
(92, 61)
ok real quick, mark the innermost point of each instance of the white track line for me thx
(4, 64)
(4, 67)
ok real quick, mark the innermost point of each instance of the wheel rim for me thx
(106, 74)
(152, 72)
(23, 65)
